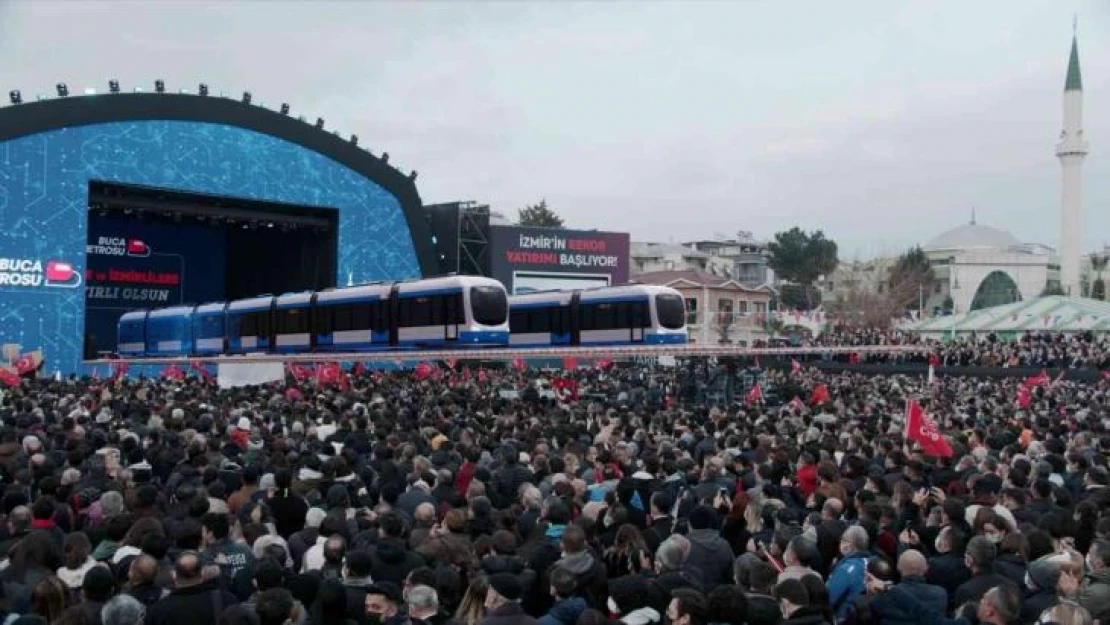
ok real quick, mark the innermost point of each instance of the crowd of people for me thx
(393, 500)
(1079, 350)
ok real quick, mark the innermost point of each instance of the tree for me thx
(910, 277)
(801, 258)
(539, 215)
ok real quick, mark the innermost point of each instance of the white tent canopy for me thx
(1044, 314)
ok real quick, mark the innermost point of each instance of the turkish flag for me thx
(9, 378)
(1037, 380)
(570, 363)
(604, 364)
(300, 373)
(754, 395)
(25, 364)
(795, 367)
(327, 373)
(519, 364)
(1024, 397)
(921, 428)
(423, 371)
(853, 358)
(565, 389)
(358, 369)
(934, 360)
(120, 370)
(820, 395)
(199, 367)
(171, 372)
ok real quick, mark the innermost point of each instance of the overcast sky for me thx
(881, 122)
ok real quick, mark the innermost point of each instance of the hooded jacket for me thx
(390, 561)
(712, 556)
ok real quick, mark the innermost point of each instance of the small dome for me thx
(970, 236)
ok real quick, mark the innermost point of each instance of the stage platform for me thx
(525, 353)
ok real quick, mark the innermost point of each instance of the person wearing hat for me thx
(503, 602)
(382, 604)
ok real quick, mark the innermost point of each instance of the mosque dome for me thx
(972, 235)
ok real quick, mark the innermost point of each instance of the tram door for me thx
(452, 314)
(638, 318)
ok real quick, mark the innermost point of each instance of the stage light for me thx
(203, 89)
(113, 86)
(385, 157)
(160, 86)
(246, 97)
(319, 123)
(354, 139)
(284, 108)
(63, 89)
(15, 96)
(412, 176)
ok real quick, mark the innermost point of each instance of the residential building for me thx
(718, 309)
(649, 257)
(747, 255)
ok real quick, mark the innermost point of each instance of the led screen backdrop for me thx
(44, 181)
(133, 264)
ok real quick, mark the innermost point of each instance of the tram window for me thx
(670, 310)
(453, 312)
(360, 316)
(321, 319)
(247, 325)
(262, 319)
(638, 315)
(341, 318)
(518, 321)
(489, 305)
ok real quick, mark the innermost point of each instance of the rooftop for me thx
(972, 235)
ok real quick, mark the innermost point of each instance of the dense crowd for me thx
(1080, 350)
(393, 500)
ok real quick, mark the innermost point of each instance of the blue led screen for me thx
(44, 211)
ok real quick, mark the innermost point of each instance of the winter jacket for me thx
(191, 605)
(712, 556)
(846, 582)
(508, 614)
(1094, 594)
(763, 610)
(392, 562)
(565, 612)
(933, 598)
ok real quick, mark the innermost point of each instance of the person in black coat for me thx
(981, 554)
(503, 602)
(193, 600)
(660, 523)
(912, 566)
(948, 570)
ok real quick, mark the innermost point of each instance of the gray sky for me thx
(880, 122)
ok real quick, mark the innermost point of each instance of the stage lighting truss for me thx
(246, 97)
(284, 108)
(63, 89)
(15, 96)
(160, 86)
(203, 89)
(113, 86)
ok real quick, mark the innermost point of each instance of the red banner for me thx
(921, 428)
